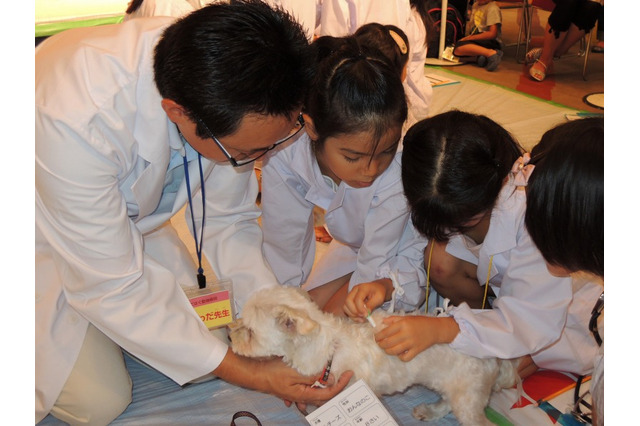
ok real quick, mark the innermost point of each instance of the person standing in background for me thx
(565, 218)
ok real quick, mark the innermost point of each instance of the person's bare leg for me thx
(321, 295)
(549, 47)
(570, 38)
(473, 50)
(336, 302)
(453, 278)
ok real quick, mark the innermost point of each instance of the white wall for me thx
(63, 10)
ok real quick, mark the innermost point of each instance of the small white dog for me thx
(284, 322)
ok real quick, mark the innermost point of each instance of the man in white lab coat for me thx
(120, 110)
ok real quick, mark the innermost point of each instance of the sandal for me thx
(536, 73)
(533, 55)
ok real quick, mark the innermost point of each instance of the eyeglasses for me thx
(581, 410)
(249, 158)
(582, 407)
(593, 322)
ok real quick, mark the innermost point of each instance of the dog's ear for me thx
(294, 320)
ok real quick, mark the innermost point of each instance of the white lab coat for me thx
(534, 312)
(342, 17)
(102, 145)
(371, 227)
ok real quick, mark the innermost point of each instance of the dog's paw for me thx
(426, 412)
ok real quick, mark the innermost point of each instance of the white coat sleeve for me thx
(232, 234)
(335, 18)
(528, 315)
(287, 221)
(391, 244)
(106, 276)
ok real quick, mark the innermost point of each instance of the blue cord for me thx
(202, 280)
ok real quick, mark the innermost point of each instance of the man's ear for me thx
(310, 127)
(174, 110)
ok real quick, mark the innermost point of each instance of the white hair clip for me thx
(399, 41)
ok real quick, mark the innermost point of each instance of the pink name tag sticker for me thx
(213, 304)
(214, 309)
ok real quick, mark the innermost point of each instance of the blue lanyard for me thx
(202, 280)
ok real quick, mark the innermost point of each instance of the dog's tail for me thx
(508, 374)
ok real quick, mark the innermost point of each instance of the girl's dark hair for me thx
(355, 89)
(324, 46)
(380, 36)
(133, 6)
(422, 8)
(453, 168)
(224, 61)
(565, 196)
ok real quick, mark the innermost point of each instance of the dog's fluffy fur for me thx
(284, 322)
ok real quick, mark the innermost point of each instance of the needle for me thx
(371, 321)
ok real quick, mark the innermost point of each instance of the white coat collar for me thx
(306, 165)
(506, 220)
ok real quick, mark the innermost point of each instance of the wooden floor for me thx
(564, 85)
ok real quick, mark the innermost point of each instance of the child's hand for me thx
(407, 336)
(365, 297)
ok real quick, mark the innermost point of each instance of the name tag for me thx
(213, 304)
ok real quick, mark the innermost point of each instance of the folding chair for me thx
(522, 25)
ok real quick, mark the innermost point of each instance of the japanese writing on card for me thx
(357, 405)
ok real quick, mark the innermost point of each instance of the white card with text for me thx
(357, 405)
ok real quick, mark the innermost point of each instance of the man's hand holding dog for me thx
(273, 376)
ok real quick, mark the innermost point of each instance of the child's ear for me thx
(310, 127)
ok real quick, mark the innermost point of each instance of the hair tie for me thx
(399, 41)
(522, 170)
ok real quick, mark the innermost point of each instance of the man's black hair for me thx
(224, 61)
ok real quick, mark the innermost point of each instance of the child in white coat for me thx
(469, 200)
(392, 43)
(565, 218)
(343, 17)
(345, 163)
